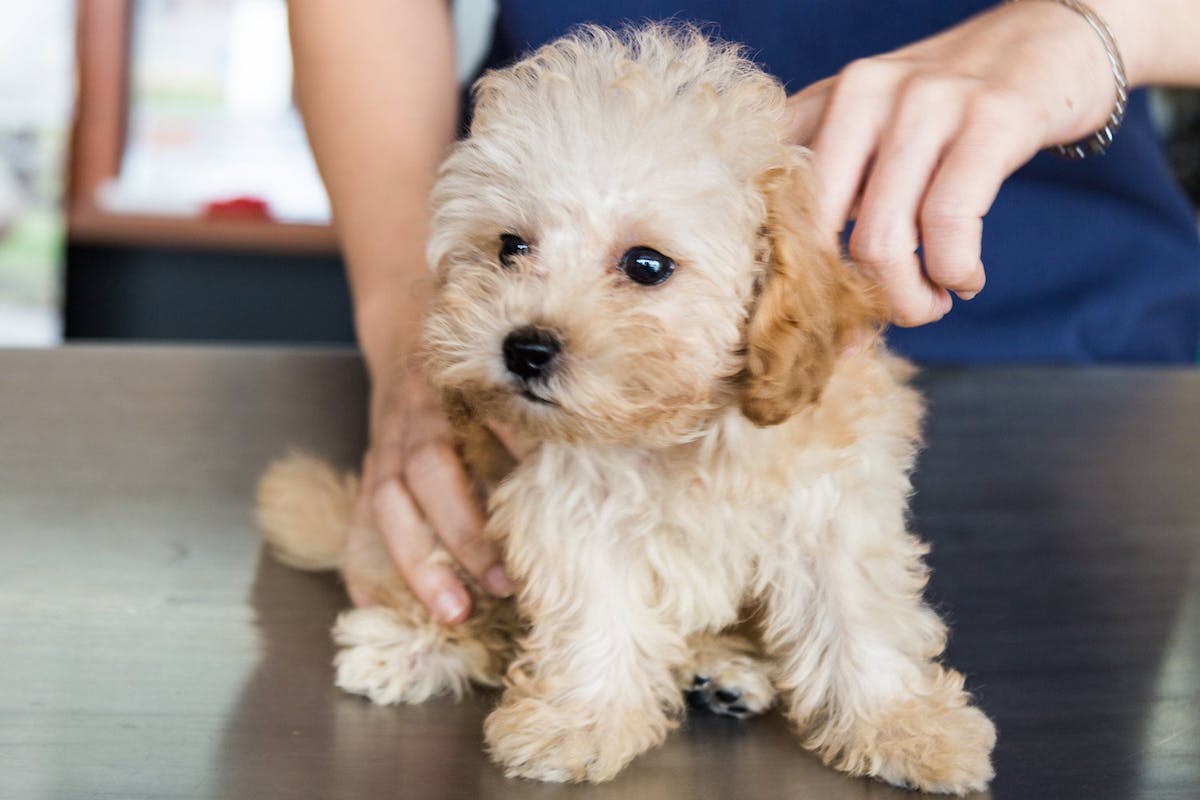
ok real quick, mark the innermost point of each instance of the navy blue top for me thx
(1086, 261)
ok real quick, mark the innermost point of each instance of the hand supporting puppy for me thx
(418, 495)
(919, 140)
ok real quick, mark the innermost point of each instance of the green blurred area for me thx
(197, 99)
(30, 258)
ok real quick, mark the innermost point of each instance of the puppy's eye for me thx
(647, 267)
(511, 246)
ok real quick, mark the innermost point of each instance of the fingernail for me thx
(496, 581)
(449, 606)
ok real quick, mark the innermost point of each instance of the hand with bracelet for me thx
(914, 144)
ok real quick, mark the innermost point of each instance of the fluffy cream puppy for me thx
(628, 275)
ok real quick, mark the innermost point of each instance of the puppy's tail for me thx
(304, 511)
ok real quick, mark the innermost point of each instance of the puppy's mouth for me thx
(531, 396)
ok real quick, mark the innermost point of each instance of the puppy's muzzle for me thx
(531, 353)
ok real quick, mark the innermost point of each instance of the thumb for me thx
(805, 110)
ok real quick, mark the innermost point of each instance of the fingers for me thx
(921, 157)
(418, 496)
(805, 110)
(927, 133)
(443, 490)
(856, 110)
(360, 529)
(886, 235)
(426, 511)
(413, 547)
(987, 150)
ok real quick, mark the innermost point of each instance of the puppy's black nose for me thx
(530, 352)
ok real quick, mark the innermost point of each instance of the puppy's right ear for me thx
(813, 305)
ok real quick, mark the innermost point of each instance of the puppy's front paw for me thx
(948, 752)
(531, 738)
(934, 744)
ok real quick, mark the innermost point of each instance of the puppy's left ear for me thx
(812, 307)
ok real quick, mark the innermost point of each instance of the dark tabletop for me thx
(149, 649)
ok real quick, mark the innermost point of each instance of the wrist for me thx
(388, 333)
(1073, 75)
(1131, 30)
(1109, 80)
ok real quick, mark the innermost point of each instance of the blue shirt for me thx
(1096, 260)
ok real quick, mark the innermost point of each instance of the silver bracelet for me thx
(1098, 143)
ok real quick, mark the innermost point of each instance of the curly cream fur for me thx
(734, 439)
(302, 508)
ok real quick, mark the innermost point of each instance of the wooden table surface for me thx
(148, 649)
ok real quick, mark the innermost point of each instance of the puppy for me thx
(628, 274)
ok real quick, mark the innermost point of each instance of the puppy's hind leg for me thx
(727, 675)
(396, 653)
(392, 652)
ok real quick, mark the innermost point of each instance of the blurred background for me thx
(155, 182)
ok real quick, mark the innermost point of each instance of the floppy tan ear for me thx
(812, 307)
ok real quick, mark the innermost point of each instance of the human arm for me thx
(916, 143)
(376, 84)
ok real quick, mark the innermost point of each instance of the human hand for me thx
(919, 141)
(418, 496)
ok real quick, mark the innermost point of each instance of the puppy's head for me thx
(624, 247)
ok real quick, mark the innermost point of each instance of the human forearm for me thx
(377, 87)
(1158, 39)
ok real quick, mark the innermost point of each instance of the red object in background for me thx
(244, 207)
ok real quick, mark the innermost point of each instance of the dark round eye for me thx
(511, 246)
(645, 266)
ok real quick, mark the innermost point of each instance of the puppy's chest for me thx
(648, 502)
(682, 539)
